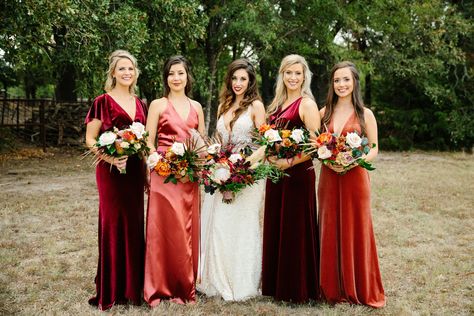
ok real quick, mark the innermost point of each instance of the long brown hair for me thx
(173, 60)
(227, 96)
(332, 97)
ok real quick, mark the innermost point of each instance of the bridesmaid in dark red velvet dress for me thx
(119, 276)
(349, 269)
(290, 233)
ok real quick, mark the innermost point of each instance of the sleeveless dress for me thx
(172, 228)
(121, 214)
(349, 269)
(290, 233)
(231, 251)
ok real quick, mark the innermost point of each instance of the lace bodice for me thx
(241, 131)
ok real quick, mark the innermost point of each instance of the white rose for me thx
(272, 135)
(178, 148)
(214, 149)
(324, 152)
(235, 157)
(124, 145)
(107, 138)
(137, 146)
(220, 173)
(138, 129)
(353, 140)
(297, 135)
(153, 159)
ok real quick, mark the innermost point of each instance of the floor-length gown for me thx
(290, 233)
(231, 254)
(349, 269)
(172, 229)
(121, 214)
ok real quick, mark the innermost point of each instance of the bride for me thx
(231, 246)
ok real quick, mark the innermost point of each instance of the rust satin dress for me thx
(172, 228)
(121, 215)
(349, 268)
(290, 231)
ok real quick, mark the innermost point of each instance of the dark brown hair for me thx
(227, 96)
(178, 59)
(332, 97)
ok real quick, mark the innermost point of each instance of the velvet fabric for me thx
(348, 262)
(290, 233)
(172, 232)
(119, 276)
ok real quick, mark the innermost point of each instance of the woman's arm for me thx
(372, 134)
(154, 112)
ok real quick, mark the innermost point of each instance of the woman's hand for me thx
(282, 164)
(119, 162)
(184, 179)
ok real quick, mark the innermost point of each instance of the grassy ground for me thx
(423, 220)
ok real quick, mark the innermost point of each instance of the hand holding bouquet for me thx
(180, 160)
(346, 151)
(123, 143)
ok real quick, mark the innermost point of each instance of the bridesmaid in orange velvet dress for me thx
(349, 269)
(172, 229)
(290, 232)
(119, 276)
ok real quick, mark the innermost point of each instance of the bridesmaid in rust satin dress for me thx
(172, 229)
(349, 269)
(119, 276)
(290, 232)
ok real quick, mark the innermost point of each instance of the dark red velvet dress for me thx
(290, 232)
(120, 270)
(349, 265)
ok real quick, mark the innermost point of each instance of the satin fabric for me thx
(119, 276)
(290, 233)
(348, 262)
(172, 232)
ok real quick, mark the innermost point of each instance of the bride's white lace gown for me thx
(231, 239)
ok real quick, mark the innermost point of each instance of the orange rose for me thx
(286, 142)
(128, 136)
(119, 148)
(324, 138)
(265, 127)
(163, 168)
(285, 133)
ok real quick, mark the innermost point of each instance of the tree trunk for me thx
(368, 90)
(267, 82)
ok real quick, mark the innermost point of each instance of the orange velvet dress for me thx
(349, 268)
(172, 228)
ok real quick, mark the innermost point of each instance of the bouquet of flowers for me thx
(125, 142)
(227, 169)
(180, 160)
(342, 150)
(282, 142)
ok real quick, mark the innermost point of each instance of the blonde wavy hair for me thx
(280, 90)
(110, 82)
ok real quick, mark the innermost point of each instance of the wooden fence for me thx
(45, 122)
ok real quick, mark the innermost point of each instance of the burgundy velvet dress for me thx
(349, 269)
(172, 228)
(119, 276)
(290, 232)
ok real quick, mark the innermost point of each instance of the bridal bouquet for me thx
(179, 160)
(125, 142)
(344, 150)
(282, 142)
(227, 169)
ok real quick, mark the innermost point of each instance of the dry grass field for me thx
(423, 219)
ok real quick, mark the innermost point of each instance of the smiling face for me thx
(343, 82)
(124, 72)
(177, 77)
(240, 81)
(293, 77)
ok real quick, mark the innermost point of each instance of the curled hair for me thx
(111, 82)
(173, 60)
(280, 91)
(227, 96)
(332, 97)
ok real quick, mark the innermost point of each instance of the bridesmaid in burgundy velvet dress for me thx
(119, 276)
(349, 269)
(172, 232)
(290, 233)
